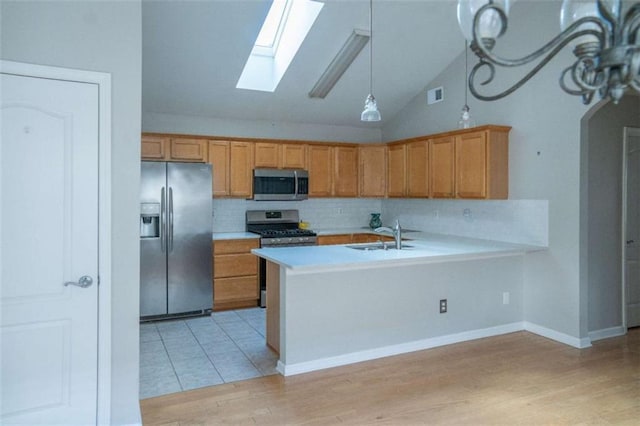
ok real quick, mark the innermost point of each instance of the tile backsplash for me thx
(517, 221)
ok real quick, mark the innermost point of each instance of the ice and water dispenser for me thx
(149, 220)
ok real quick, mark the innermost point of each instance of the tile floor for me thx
(183, 354)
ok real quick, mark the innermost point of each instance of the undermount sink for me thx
(377, 246)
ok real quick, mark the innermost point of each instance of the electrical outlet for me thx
(505, 298)
(443, 306)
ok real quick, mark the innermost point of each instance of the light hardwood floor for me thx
(518, 378)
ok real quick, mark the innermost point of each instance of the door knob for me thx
(84, 282)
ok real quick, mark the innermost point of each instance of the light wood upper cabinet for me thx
(267, 154)
(280, 155)
(469, 163)
(185, 149)
(417, 156)
(345, 177)
(333, 170)
(482, 164)
(219, 159)
(396, 171)
(154, 147)
(373, 170)
(294, 156)
(240, 169)
(232, 168)
(320, 163)
(164, 148)
(441, 167)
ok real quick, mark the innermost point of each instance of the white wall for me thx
(514, 221)
(602, 209)
(350, 312)
(99, 36)
(544, 159)
(212, 126)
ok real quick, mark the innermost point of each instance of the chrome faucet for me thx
(397, 233)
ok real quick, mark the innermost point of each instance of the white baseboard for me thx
(605, 333)
(576, 342)
(418, 345)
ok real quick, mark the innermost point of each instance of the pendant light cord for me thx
(466, 72)
(370, 46)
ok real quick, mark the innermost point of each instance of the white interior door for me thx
(632, 228)
(48, 237)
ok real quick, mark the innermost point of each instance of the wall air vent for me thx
(435, 95)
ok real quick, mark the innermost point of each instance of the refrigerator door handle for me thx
(163, 220)
(170, 249)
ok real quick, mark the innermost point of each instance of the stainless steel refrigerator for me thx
(175, 239)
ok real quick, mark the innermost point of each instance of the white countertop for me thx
(425, 248)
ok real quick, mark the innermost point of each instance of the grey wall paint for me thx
(213, 126)
(106, 37)
(379, 310)
(544, 159)
(603, 136)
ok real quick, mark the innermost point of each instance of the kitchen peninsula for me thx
(335, 305)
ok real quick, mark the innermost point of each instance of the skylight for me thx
(283, 31)
(274, 23)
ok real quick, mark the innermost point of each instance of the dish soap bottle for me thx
(375, 221)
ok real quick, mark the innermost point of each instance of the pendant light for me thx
(466, 121)
(370, 112)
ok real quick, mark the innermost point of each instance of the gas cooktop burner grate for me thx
(279, 233)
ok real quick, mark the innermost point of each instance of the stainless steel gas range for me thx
(277, 228)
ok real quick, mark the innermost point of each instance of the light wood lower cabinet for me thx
(235, 274)
(328, 240)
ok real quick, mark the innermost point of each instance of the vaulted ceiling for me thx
(194, 53)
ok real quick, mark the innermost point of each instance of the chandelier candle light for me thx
(370, 112)
(606, 44)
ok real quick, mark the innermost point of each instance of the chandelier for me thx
(606, 44)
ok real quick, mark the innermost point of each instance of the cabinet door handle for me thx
(630, 241)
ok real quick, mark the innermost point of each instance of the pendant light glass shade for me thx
(370, 112)
(489, 25)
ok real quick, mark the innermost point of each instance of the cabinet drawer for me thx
(324, 240)
(234, 265)
(235, 246)
(236, 288)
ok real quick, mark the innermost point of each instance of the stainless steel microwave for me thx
(280, 184)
